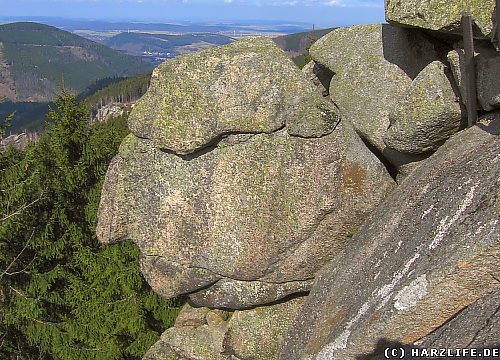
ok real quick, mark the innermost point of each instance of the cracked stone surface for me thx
(431, 249)
(487, 64)
(249, 218)
(477, 326)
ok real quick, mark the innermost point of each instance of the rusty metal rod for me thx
(470, 70)
(498, 23)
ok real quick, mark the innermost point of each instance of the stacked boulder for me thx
(264, 194)
(238, 183)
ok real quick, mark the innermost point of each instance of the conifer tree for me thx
(63, 295)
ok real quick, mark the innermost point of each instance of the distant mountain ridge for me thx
(35, 59)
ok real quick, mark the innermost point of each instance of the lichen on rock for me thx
(248, 218)
(427, 115)
(441, 15)
(373, 67)
(430, 250)
(249, 86)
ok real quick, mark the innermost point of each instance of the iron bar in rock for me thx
(470, 71)
(498, 23)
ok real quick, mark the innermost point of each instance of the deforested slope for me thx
(37, 59)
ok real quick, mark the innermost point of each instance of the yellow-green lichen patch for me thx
(441, 15)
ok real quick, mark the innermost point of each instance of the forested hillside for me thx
(62, 294)
(123, 91)
(35, 59)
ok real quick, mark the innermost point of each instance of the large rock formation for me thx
(430, 249)
(373, 67)
(427, 115)
(244, 189)
(237, 205)
(248, 87)
(441, 15)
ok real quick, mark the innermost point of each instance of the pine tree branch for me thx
(21, 209)
(16, 291)
(6, 271)
(19, 271)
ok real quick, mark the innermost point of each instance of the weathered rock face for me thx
(429, 250)
(373, 66)
(198, 334)
(249, 86)
(476, 327)
(427, 115)
(249, 219)
(204, 334)
(441, 15)
(487, 69)
(257, 333)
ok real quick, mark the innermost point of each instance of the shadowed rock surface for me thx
(427, 115)
(477, 326)
(249, 219)
(441, 15)
(319, 76)
(373, 66)
(487, 64)
(428, 251)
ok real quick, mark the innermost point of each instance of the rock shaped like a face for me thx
(427, 115)
(249, 219)
(249, 86)
(430, 249)
(373, 67)
(441, 15)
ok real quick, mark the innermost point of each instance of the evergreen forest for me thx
(62, 294)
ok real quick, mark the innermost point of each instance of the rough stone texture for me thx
(246, 223)
(192, 340)
(429, 250)
(319, 76)
(214, 334)
(257, 333)
(253, 213)
(373, 67)
(427, 115)
(407, 169)
(487, 70)
(235, 294)
(441, 15)
(249, 86)
(477, 326)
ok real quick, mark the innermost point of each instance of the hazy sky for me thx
(320, 12)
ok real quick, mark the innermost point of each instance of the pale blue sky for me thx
(319, 12)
